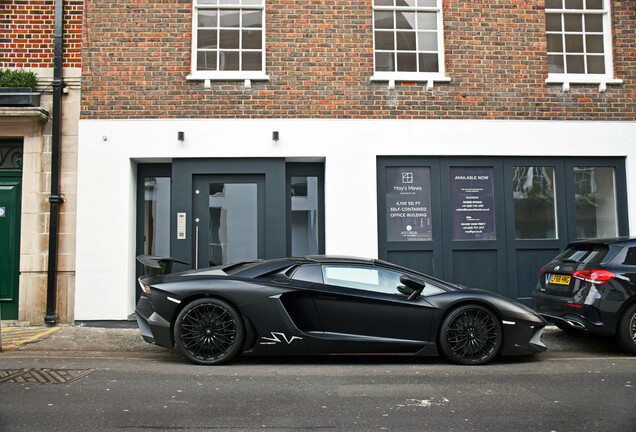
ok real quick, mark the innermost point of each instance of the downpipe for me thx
(55, 199)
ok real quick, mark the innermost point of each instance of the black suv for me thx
(592, 286)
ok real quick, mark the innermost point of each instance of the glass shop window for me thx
(304, 215)
(534, 197)
(156, 216)
(595, 199)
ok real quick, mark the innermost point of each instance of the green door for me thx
(10, 199)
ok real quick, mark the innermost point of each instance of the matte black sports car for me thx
(592, 286)
(328, 305)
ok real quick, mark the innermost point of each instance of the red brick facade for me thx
(26, 35)
(319, 57)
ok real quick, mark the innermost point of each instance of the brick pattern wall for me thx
(27, 33)
(319, 57)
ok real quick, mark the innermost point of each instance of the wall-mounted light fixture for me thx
(180, 136)
(275, 135)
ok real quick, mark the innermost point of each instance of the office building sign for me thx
(408, 203)
(472, 203)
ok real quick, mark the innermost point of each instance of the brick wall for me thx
(26, 33)
(319, 57)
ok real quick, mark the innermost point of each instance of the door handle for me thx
(196, 247)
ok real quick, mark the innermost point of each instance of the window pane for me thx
(405, 20)
(157, 216)
(429, 63)
(363, 278)
(553, 22)
(594, 43)
(384, 62)
(252, 61)
(383, 2)
(575, 64)
(594, 4)
(573, 22)
(534, 202)
(229, 60)
(206, 39)
(233, 229)
(555, 64)
(206, 60)
(427, 3)
(407, 62)
(229, 39)
(384, 40)
(207, 18)
(405, 2)
(594, 23)
(383, 20)
(595, 65)
(406, 41)
(427, 41)
(252, 39)
(553, 4)
(304, 216)
(574, 4)
(555, 43)
(230, 18)
(573, 43)
(427, 21)
(595, 198)
(252, 19)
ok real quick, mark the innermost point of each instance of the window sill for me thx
(393, 77)
(566, 80)
(247, 77)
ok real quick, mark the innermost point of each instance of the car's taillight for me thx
(594, 276)
(542, 272)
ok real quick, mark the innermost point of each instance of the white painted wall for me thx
(110, 149)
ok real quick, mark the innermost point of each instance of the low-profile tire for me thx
(626, 334)
(470, 335)
(209, 331)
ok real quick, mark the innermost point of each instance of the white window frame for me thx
(577, 78)
(428, 77)
(238, 75)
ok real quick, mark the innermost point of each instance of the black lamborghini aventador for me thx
(327, 305)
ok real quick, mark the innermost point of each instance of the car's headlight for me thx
(145, 288)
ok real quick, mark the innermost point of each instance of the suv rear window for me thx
(584, 254)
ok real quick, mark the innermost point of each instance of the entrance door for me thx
(10, 199)
(229, 219)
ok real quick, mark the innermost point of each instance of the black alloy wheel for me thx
(627, 330)
(209, 331)
(470, 335)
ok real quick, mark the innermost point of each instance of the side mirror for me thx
(412, 287)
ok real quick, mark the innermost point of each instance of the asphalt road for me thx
(585, 384)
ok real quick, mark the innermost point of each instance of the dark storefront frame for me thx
(504, 264)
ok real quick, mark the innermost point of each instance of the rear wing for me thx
(156, 265)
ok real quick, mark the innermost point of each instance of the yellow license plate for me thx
(559, 279)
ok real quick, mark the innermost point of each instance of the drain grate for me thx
(42, 376)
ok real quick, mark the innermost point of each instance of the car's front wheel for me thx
(209, 331)
(627, 330)
(471, 335)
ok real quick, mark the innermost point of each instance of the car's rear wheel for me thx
(627, 330)
(209, 331)
(471, 335)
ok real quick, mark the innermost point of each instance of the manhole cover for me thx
(42, 376)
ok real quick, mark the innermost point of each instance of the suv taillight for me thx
(594, 276)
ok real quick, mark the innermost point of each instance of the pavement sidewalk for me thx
(123, 339)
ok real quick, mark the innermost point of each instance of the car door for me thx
(361, 307)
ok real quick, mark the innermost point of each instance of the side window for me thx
(308, 273)
(362, 278)
(630, 257)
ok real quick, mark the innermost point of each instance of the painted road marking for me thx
(12, 337)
